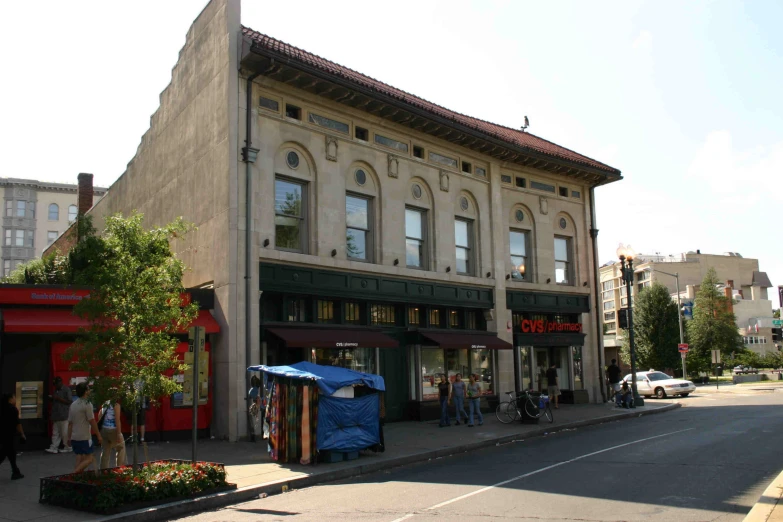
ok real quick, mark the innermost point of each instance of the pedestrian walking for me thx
(111, 432)
(9, 427)
(551, 384)
(613, 376)
(443, 393)
(458, 394)
(61, 403)
(474, 400)
(81, 422)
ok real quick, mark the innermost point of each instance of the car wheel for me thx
(684, 394)
(660, 393)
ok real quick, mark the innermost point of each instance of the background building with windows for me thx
(343, 221)
(35, 213)
(743, 282)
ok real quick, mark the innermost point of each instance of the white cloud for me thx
(643, 40)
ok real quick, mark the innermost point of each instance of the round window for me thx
(519, 215)
(563, 223)
(361, 177)
(292, 158)
(463, 203)
(416, 189)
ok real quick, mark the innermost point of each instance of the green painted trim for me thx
(347, 285)
(543, 302)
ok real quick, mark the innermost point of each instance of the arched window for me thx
(71, 213)
(54, 212)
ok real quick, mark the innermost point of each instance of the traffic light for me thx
(622, 318)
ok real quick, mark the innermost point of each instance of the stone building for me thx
(36, 213)
(343, 221)
(742, 281)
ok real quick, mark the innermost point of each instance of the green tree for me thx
(712, 327)
(656, 329)
(776, 313)
(134, 308)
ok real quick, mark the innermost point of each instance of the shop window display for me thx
(579, 383)
(436, 361)
(357, 359)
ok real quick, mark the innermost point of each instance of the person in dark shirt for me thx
(9, 427)
(444, 389)
(613, 376)
(551, 384)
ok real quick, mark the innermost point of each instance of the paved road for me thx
(709, 460)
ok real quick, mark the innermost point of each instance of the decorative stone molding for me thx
(331, 148)
(544, 203)
(394, 166)
(444, 181)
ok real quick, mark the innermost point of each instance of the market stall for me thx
(312, 409)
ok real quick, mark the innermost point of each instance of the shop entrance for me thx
(546, 357)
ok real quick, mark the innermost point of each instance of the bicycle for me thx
(510, 411)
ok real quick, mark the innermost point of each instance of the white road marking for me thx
(531, 473)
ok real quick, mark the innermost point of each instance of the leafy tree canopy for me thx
(713, 326)
(656, 329)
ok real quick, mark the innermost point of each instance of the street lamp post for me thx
(626, 255)
(676, 275)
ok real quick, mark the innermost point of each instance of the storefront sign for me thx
(346, 345)
(478, 346)
(542, 326)
(42, 296)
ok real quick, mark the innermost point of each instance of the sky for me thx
(683, 97)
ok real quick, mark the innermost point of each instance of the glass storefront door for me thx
(546, 357)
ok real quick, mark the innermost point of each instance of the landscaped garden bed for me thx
(119, 489)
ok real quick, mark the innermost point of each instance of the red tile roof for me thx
(506, 134)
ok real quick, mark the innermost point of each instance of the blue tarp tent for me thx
(344, 424)
(328, 378)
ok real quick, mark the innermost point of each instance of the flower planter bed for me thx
(117, 489)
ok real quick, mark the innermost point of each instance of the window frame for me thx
(56, 212)
(515, 275)
(21, 208)
(569, 268)
(303, 219)
(424, 258)
(72, 210)
(369, 244)
(470, 247)
(49, 237)
(19, 237)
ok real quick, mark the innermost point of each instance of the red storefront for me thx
(37, 327)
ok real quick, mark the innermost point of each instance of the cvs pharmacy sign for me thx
(542, 326)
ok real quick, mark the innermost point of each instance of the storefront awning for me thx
(459, 340)
(333, 338)
(63, 321)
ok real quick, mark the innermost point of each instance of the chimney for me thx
(84, 193)
(729, 300)
(698, 251)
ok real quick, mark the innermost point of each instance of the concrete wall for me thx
(185, 166)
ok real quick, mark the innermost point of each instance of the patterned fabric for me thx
(305, 425)
(293, 444)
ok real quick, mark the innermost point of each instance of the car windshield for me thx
(657, 376)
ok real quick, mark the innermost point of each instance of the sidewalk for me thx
(250, 467)
(768, 508)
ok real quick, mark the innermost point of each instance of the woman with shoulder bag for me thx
(111, 431)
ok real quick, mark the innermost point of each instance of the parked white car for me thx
(661, 385)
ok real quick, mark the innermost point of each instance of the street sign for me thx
(777, 323)
(683, 347)
(715, 356)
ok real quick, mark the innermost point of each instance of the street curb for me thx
(768, 501)
(218, 500)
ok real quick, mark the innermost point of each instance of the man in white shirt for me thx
(81, 421)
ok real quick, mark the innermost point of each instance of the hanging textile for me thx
(274, 422)
(292, 444)
(305, 425)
